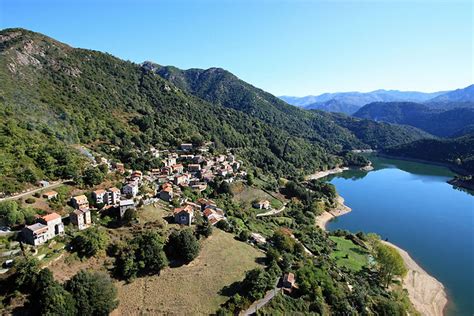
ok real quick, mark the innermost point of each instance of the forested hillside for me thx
(444, 123)
(458, 152)
(221, 87)
(53, 95)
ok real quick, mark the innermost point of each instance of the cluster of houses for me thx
(185, 214)
(187, 167)
(194, 169)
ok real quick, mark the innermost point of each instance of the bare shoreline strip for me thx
(427, 294)
(322, 174)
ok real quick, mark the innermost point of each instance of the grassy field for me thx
(349, 254)
(246, 195)
(191, 289)
(153, 212)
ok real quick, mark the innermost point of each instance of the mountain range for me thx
(350, 102)
(54, 96)
(440, 122)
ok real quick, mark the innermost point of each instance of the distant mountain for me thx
(333, 106)
(350, 102)
(444, 123)
(458, 95)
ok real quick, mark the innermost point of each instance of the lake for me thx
(411, 204)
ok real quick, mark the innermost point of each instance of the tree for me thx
(53, 299)
(255, 283)
(93, 293)
(183, 245)
(142, 254)
(390, 263)
(204, 229)
(250, 179)
(26, 272)
(10, 212)
(150, 252)
(282, 241)
(89, 242)
(93, 176)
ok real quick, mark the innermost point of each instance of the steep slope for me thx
(66, 96)
(443, 123)
(53, 95)
(377, 133)
(223, 88)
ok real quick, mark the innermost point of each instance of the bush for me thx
(30, 200)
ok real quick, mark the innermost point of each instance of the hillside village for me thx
(186, 168)
(174, 208)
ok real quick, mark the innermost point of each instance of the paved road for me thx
(261, 302)
(50, 186)
(272, 212)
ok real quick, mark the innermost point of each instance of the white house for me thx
(130, 189)
(48, 227)
(100, 196)
(81, 218)
(126, 205)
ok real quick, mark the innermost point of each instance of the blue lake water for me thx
(412, 205)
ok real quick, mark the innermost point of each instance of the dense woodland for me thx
(53, 96)
(458, 152)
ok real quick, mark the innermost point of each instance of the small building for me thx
(166, 194)
(47, 227)
(80, 202)
(130, 189)
(288, 282)
(113, 196)
(43, 183)
(54, 223)
(50, 195)
(200, 186)
(213, 215)
(184, 215)
(195, 167)
(262, 204)
(186, 146)
(100, 196)
(126, 205)
(120, 167)
(35, 234)
(181, 179)
(137, 175)
(168, 162)
(177, 168)
(81, 218)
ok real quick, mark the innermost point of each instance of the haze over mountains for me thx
(350, 102)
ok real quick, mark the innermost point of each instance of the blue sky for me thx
(285, 47)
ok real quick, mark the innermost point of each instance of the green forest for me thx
(54, 96)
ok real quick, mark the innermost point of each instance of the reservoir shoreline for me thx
(426, 293)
